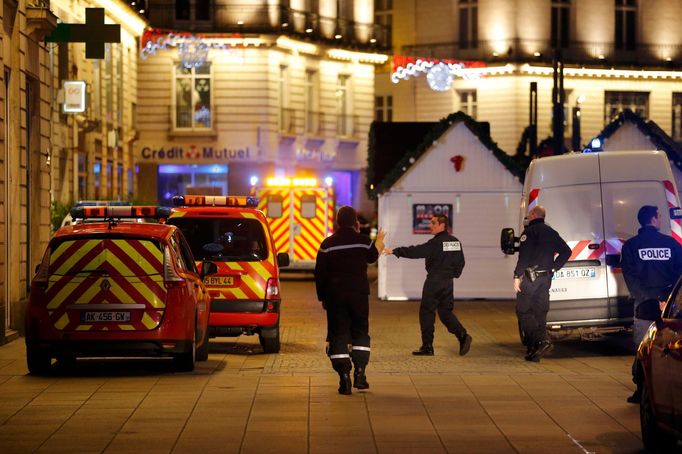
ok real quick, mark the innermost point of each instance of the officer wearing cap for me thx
(538, 246)
(444, 261)
(651, 263)
(343, 288)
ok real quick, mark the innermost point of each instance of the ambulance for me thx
(592, 200)
(300, 212)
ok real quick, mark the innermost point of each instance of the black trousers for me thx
(532, 305)
(348, 321)
(437, 296)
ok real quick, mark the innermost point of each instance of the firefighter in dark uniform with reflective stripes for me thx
(343, 288)
(541, 252)
(652, 263)
(444, 262)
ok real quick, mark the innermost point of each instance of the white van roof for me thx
(584, 168)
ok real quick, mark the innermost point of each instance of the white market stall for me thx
(462, 172)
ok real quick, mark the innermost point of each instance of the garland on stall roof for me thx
(438, 130)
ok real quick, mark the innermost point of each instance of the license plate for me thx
(219, 280)
(589, 272)
(109, 316)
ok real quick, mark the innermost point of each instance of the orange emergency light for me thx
(215, 200)
(119, 212)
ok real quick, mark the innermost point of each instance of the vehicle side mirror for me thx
(508, 242)
(282, 259)
(649, 310)
(208, 268)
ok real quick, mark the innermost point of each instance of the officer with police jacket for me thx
(343, 288)
(444, 261)
(538, 245)
(651, 263)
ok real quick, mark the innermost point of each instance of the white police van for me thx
(592, 200)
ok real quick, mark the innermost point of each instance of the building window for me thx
(97, 174)
(181, 9)
(82, 175)
(467, 102)
(561, 13)
(677, 117)
(286, 114)
(617, 101)
(626, 24)
(343, 120)
(193, 106)
(383, 18)
(310, 102)
(383, 108)
(202, 9)
(468, 24)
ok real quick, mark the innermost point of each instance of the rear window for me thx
(112, 256)
(226, 239)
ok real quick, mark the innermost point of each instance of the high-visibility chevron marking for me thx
(72, 255)
(305, 250)
(83, 327)
(312, 236)
(126, 327)
(262, 272)
(148, 322)
(252, 287)
(84, 290)
(62, 322)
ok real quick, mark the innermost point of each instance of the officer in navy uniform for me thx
(343, 288)
(444, 261)
(538, 245)
(652, 263)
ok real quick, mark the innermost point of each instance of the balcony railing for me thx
(314, 123)
(575, 52)
(265, 19)
(287, 121)
(347, 126)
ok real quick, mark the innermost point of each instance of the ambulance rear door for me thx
(276, 204)
(628, 183)
(570, 192)
(312, 217)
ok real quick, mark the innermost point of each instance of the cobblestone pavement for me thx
(244, 401)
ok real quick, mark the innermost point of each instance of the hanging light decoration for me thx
(193, 52)
(439, 77)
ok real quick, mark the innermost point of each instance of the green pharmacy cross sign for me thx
(94, 33)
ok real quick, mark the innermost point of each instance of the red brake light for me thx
(170, 276)
(272, 290)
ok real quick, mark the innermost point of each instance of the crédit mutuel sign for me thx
(194, 154)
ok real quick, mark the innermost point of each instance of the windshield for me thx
(225, 239)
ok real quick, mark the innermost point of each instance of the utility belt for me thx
(532, 273)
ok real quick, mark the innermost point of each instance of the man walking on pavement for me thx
(343, 288)
(538, 245)
(444, 262)
(651, 263)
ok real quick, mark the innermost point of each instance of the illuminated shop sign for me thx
(192, 153)
(305, 154)
(74, 96)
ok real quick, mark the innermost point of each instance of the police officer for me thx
(343, 288)
(651, 263)
(538, 245)
(444, 261)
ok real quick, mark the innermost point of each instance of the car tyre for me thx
(202, 352)
(39, 361)
(184, 362)
(654, 438)
(270, 343)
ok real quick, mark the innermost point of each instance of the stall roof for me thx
(393, 147)
(649, 128)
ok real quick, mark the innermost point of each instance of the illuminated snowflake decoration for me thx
(439, 77)
(193, 52)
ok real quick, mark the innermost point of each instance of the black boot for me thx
(359, 378)
(345, 385)
(540, 350)
(636, 397)
(424, 350)
(464, 345)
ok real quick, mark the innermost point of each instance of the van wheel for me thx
(654, 439)
(184, 362)
(202, 352)
(39, 361)
(271, 343)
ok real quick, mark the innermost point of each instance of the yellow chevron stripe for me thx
(132, 253)
(234, 266)
(238, 293)
(119, 265)
(68, 289)
(148, 321)
(79, 254)
(156, 252)
(253, 285)
(149, 295)
(62, 322)
(249, 215)
(177, 214)
(83, 327)
(304, 251)
(126, 327)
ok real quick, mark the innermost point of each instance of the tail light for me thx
(42, 276)
(170, 276)
(272, 290)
